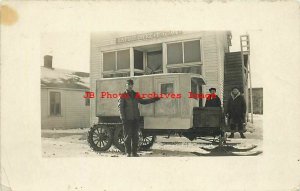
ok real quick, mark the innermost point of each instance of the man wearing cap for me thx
(130, 114)
(212, 100)
(236, 112)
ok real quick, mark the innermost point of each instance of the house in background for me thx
(62, 102)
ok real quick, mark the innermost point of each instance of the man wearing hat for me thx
(130, 114)
(213, 100)
(236, 112)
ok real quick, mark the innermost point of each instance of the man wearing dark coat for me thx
(212, 100)
(130, 114)
(236, 112)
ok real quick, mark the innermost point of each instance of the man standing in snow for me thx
(130, 114)
(236, 112)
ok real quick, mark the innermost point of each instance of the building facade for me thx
(149, 53)
(62, 102)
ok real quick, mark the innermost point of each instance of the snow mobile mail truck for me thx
(177, 112)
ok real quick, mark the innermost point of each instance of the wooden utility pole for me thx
(245, 50)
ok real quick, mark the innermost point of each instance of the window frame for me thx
(167, 83)
(87, 102)
(144, 64)
(116, 70)
(49, 103)
(158, 81)
(146, 59)
(178, 65)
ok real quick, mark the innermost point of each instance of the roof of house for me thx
(62, 78)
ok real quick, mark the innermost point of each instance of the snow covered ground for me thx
(72, 143)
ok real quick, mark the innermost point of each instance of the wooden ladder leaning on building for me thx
(236, 71)
(245, 51)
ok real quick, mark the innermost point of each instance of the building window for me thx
(87, 102)
(138, 60)
(55, 103)
(183, 52)
(123, 59)
(109, 61)
(192, 51)
(175, 53)
(167, 88)
(194, 87)
(154, 61)
(116, 60)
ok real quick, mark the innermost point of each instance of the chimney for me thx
(48, 61)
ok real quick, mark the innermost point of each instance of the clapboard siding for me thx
(210, 51)
(211, 61)
(77, 113)
(95, 73)
(223, 48)
(74, 113)
(44, 108)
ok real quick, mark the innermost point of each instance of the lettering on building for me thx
(147, 36)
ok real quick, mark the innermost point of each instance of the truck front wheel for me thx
(100, 137)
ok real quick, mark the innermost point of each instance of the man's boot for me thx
(242, 135)
(231, 135)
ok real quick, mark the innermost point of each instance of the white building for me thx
(62, 102)
(160, 52)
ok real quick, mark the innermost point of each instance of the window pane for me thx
(55, 103)
(138, 74)
(154, 60)
(57, 97)
(192, 51)
(109, 61)
(167, 88)
(174, 53)
(192, 69)
(194, 87)
(57, 108)
(138, 60)
(116, 75)
(52, 109)
(123, 59)
(87, 102)
(52, 97)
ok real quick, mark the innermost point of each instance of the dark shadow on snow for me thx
(228, 150)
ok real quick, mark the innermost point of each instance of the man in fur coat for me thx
(236, 112)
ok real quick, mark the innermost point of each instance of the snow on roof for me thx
(62, 78)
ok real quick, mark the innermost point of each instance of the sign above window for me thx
(147, 36)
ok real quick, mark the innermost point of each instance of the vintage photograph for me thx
(150, 94)
(173, 95)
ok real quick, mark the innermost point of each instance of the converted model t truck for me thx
(179, 113)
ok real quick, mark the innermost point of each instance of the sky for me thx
(72, 51)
